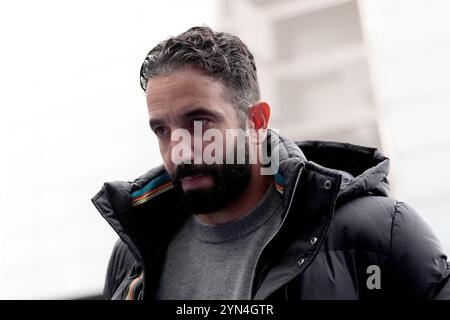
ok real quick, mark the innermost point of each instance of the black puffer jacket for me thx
(339, 223)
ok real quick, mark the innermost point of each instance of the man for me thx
(319, 224)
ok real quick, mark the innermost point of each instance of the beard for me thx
(229, 182)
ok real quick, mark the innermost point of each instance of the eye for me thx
(160, 131)
(204, 121)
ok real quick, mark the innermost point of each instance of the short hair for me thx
(220, 55)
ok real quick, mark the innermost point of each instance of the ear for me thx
(258, 115)
(258, 119)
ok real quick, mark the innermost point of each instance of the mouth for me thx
(196, 182)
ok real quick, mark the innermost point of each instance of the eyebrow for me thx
(199, 111)
(154, 122)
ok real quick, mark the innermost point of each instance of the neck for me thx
(242, 205)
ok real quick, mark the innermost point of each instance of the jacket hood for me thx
(364, 170)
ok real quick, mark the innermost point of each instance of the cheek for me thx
(215, 144)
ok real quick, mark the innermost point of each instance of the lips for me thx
(196, 182)
(191, 178)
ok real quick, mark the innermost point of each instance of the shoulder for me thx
(364, 223)
(377, 223)
(392, 233)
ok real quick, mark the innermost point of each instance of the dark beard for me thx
(230, 181)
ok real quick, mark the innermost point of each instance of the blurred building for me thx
(313, 66)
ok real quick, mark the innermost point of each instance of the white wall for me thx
(72, 116)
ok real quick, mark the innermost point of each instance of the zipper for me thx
(276, 232)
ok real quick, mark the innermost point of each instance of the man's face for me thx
(177, 101)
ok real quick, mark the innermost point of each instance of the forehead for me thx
(183, 89)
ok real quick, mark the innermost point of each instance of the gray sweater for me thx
(206, 261)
